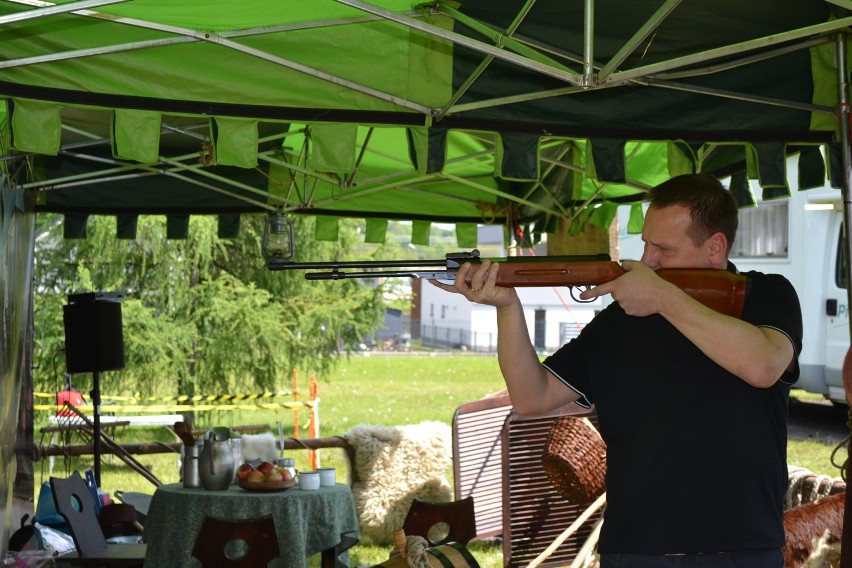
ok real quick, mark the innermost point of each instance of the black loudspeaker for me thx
(94, 340)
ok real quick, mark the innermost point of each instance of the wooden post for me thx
(295, 399)
(591, 240)
(313, 425)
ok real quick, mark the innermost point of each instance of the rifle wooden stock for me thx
(720, 290)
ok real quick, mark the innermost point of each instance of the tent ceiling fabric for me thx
(479, 111)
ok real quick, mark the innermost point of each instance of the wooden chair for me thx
(76, 504)
(440, 523)
(250, 543)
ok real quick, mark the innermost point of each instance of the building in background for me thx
(443, 320)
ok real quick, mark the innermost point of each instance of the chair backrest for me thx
(76, 504)
(250, 543)
(477, 459)
(439, 523)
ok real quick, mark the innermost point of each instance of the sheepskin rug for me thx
(395, 465)
(259, 447)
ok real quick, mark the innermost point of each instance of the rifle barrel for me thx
(424, 274)
(365, 264)
(453, 260)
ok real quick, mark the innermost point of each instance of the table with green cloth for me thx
(307, 522)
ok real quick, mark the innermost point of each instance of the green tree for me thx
(202, 314)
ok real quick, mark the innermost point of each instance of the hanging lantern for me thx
(277, 237)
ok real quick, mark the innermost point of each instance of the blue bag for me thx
(46, 513)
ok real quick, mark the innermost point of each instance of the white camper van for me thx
(800, 238)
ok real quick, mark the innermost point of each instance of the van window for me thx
(762, 231)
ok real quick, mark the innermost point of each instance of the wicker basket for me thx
(574, 459)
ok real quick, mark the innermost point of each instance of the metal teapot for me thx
(216, 465)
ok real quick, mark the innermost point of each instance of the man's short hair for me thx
(712, 207)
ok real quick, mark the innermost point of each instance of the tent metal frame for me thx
(180, 166)
(505, 46)
(581, 73)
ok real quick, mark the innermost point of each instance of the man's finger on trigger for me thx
(597, 291)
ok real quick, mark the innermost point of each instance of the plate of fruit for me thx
(264, 477)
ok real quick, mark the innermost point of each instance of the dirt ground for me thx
(817, 420)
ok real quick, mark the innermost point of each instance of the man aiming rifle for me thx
(690, 402)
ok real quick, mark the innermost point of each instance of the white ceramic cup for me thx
(326, 476)
(309, 480)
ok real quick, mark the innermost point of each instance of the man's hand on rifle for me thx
(482, 287)
(639, 291)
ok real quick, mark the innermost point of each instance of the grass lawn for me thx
(378, 390)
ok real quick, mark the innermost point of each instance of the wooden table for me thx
(307, 522)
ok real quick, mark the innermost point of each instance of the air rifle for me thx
(719, 290)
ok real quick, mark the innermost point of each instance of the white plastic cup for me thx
(309, 480)
(326, 476)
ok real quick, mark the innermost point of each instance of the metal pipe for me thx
(640, 36)
(588, 43)
(843, 97)
(728, 50)
(56, 9)
(460, 39)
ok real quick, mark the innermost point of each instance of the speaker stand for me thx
(95, 395)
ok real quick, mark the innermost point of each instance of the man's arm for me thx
(532, 388)
(757, 355)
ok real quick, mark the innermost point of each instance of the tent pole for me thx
(588, 42)
(843, 87)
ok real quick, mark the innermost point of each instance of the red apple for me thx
(272, 475)
(265, 467)
(254, 476)
(243, 471)
(285, 474)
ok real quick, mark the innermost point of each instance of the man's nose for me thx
(649, 258)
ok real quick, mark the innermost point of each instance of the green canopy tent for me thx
(479, 111)
(482, 111)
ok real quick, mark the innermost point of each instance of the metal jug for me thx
(216, 465)
(191, 478)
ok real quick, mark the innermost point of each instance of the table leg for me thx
(328, 558)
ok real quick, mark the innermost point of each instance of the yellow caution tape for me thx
(187, 397)
(169, 408)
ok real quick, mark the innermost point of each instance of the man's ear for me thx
(717, 248)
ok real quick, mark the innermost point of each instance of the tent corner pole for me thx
(588, 42)
(843, 88)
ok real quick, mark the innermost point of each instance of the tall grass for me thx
(379, 390)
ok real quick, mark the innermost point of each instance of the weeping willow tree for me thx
(201, 315)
